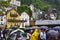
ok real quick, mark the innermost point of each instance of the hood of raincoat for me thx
(35, 34)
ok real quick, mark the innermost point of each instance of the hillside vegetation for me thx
(42, 3)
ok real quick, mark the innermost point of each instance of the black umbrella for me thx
(52, 33)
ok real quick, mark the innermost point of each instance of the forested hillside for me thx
(42, 3)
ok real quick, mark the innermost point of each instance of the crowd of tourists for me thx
(42, 33)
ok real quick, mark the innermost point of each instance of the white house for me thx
(8, 8)
(24, 16)
(15, 2)
(3, 20)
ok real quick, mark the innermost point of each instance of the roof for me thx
(11, 9)
(47, 22)
(24, 13)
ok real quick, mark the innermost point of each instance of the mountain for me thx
(42, 3)
(54, 3)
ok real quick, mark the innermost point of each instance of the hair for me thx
(43, 29)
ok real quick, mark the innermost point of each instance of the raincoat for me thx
(35, 35)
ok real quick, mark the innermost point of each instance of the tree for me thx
(24, 8)
(42, 3)
(4, 3)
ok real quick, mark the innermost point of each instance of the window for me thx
(1, 23)
(11, 25)
(4, 17)
(22, 24)
(1, 18)
(18, 3)
(11, 13)
(22, 18)
(4, 23)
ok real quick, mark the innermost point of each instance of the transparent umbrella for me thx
(16, 31)
(44, 27)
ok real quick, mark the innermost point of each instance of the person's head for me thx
(31, 31)
(43, 30)
(36, 30)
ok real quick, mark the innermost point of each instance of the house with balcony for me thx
(12, 18)
(26, 20)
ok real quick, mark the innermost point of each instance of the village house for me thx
(12, 18)
(15, 2)
(8, 8)
(52, 12)
(25, 19)
(2, 20)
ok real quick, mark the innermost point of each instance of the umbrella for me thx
(30, 28)
(16, 31)
(44, 27)
(14, 27)
(10, 29)
(57, 28)
(52, 33)
(49, 28)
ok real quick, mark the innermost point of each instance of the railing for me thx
(13, 15)
(16, 20)
(23, 21)
(13, 20)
